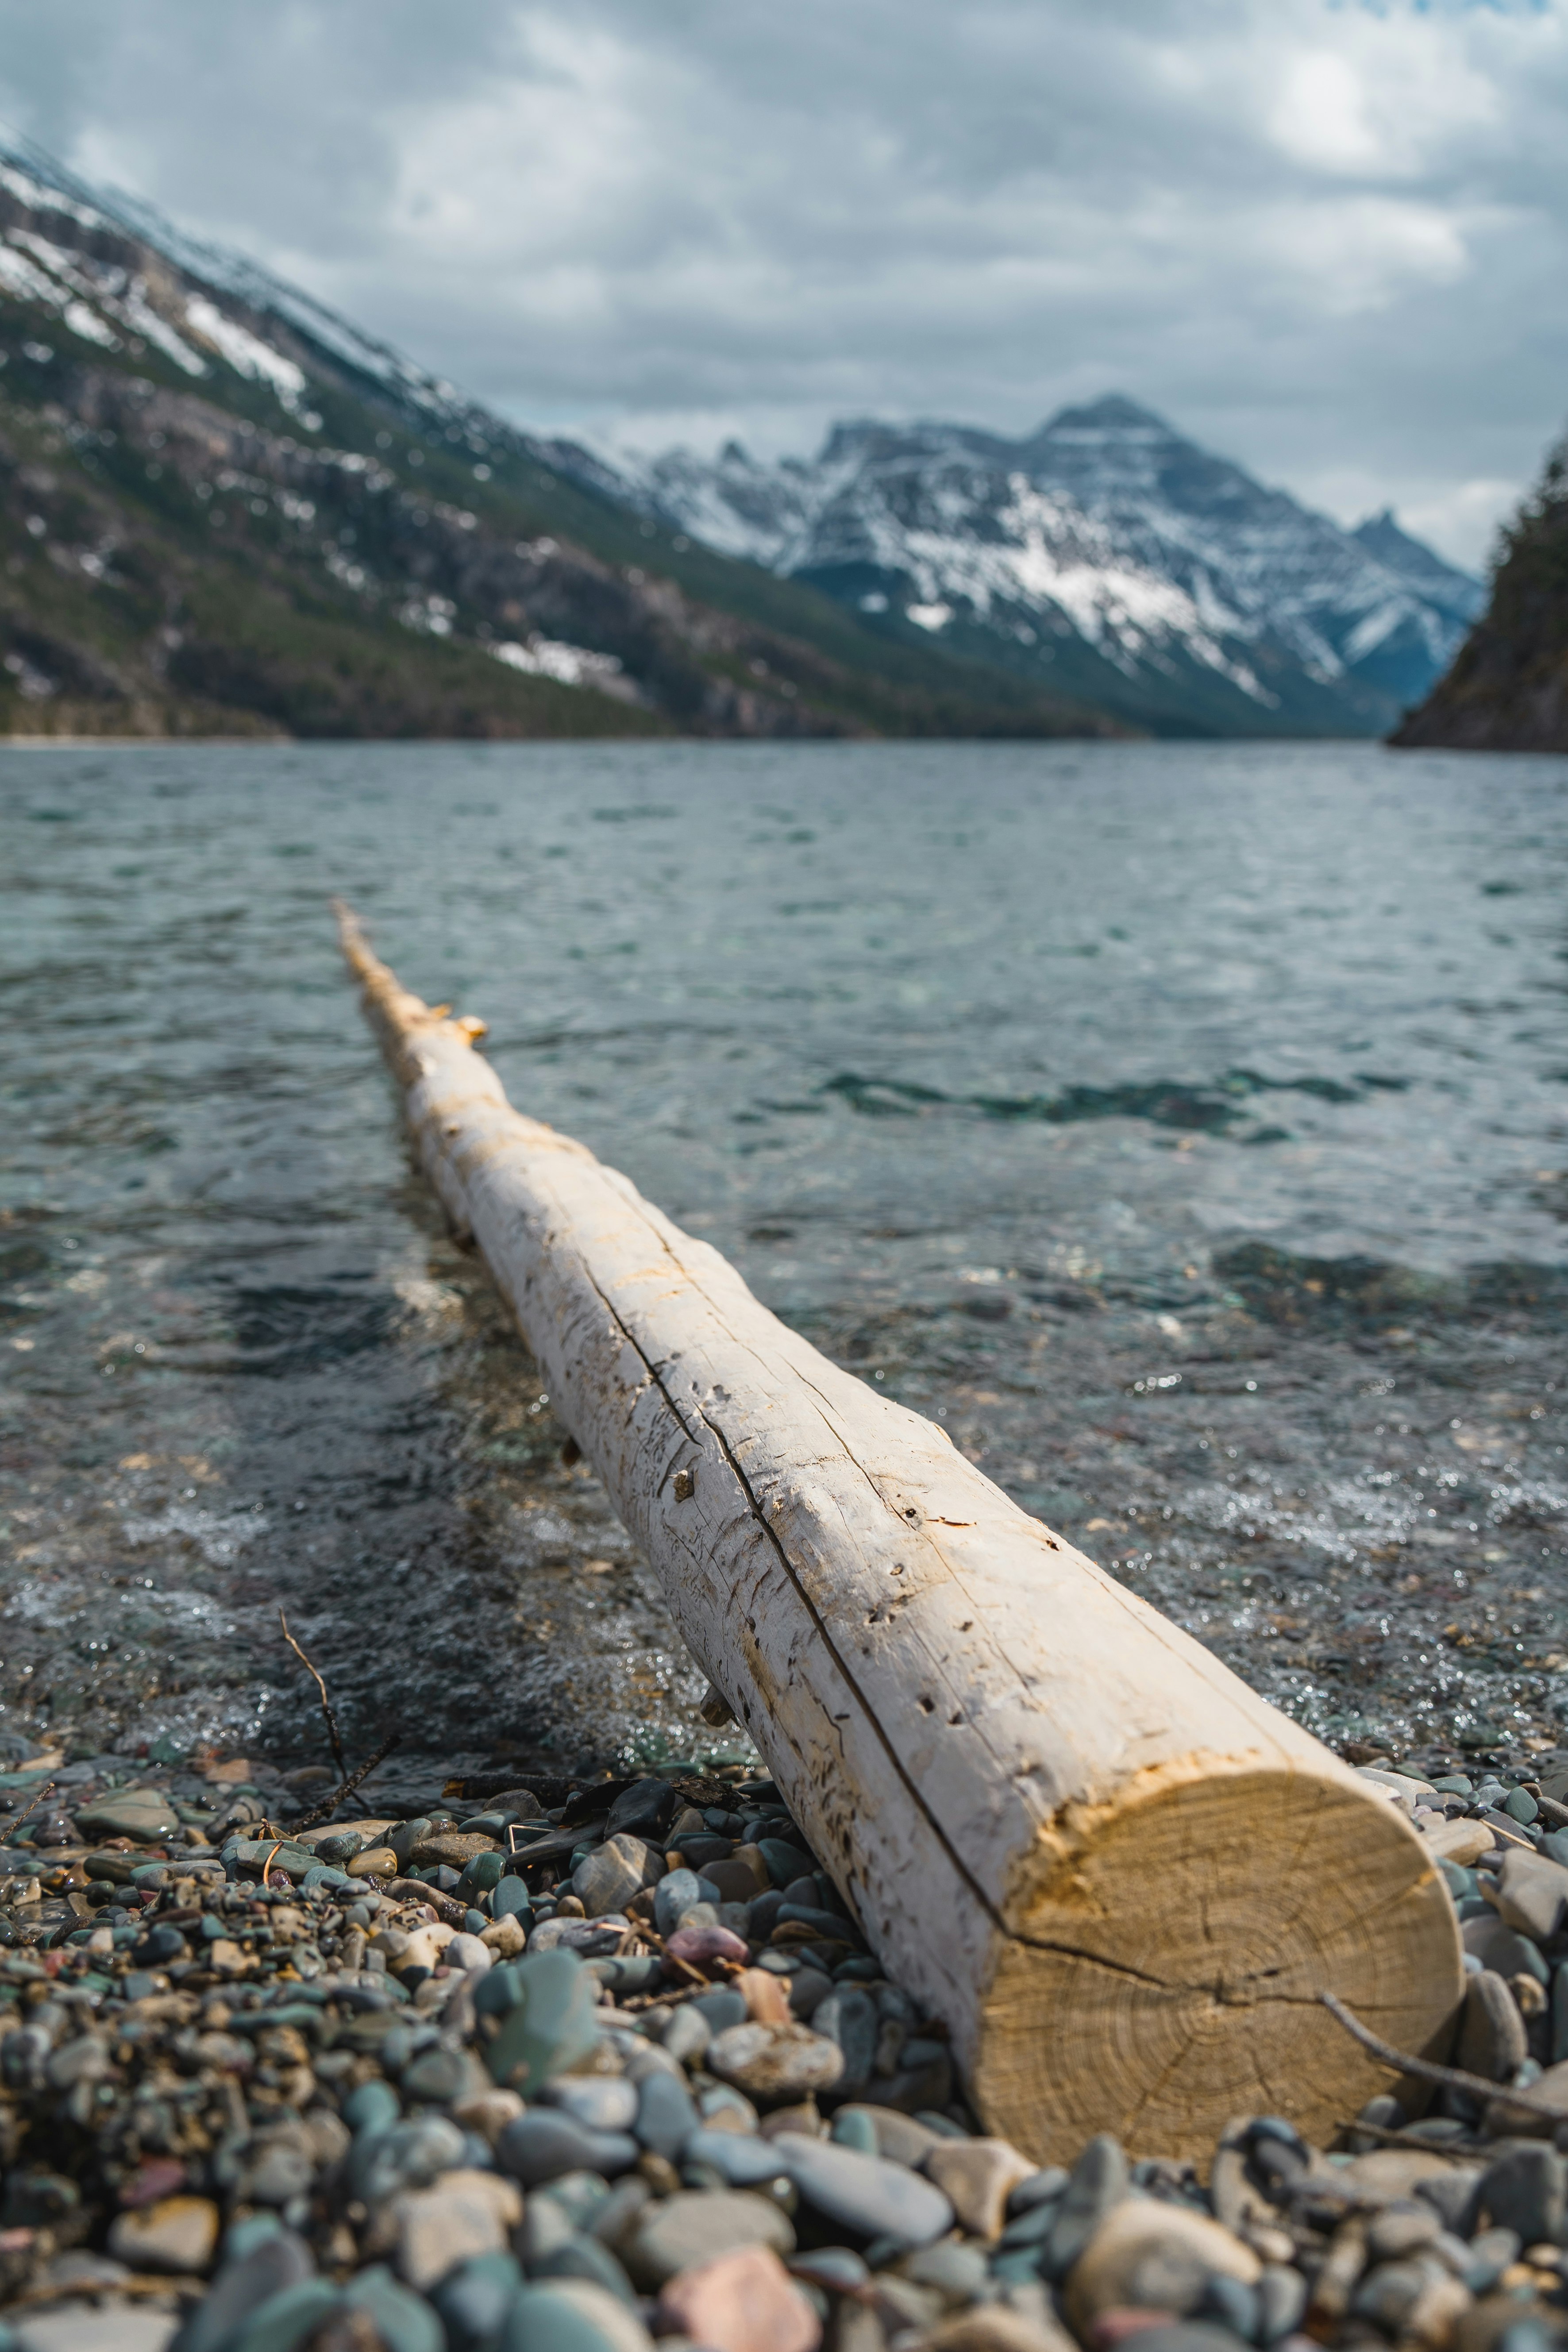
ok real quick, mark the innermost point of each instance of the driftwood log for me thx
(1122, 1878)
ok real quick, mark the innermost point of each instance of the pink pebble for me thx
(155, 2177)
(1125, 2323)
(698, 1947)
(740, 2302)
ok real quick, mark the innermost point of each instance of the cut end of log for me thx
(1168, 1953)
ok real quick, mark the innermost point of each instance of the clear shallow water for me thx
(1186, 1126)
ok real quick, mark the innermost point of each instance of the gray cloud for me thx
(1325, 238)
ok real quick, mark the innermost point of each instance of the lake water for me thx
(1187, 1127)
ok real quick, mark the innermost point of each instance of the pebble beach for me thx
(592, 2065)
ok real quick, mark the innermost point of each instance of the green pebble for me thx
(436, 2075)
(474, 2298)
(285, 2319)
(542, 2321)
(370, 2107)
(853, 2127)
(553, 2026)
(582, 2197)
(404, 2321)
(1522, 1805)
(483, 1872)
(583, 2257)
(243, 2237)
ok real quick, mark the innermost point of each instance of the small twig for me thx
(1408, 2137)
(339, 1796)
(333, 1732)
(1453, 2078)
(46, 1790)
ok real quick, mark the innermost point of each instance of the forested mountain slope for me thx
(225, 510)
(1508, 689)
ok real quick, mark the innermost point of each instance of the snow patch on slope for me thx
(245, 353)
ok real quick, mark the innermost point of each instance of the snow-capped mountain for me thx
(1105, 553)
(224, 509)
(1103, 572)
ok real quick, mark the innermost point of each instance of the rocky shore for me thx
(456, 2065)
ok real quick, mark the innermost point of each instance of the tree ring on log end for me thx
(1167, 1952)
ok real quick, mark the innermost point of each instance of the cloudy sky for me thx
(1325, 236)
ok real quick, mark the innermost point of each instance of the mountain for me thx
(1104, 555)
(224, 509)
(1507, 688)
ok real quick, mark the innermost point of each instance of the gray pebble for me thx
(675, 2233)
(1451, 2194)
(741, 2159)
(666, 2116)
(834, 2267)
(959, 2274)
(867, 2194)
(546, 2224)
(542, 2143)
(808, 1988)
(676, 1893)
(1491, 2253)
(1501, 1948)
(438, 2075)
(397, 2155)
(1525, 2190)
(1230, 2302)
(1099, 2180)
(720, 2099)
(1043, 2188)
(615, 1874)
(722, 2008)
(1387, 2292)
(1491, 2032)
(606, 2103)
(850, 2016)
(1282, 2302)
(1188, 2336)
(687, 2033)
